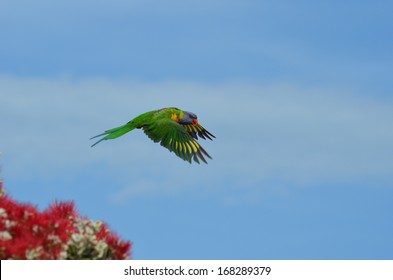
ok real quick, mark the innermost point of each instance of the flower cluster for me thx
(55, 233)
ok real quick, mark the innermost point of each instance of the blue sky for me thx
(298, 94)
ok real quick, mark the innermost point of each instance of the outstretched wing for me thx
(176, 138)
(196, 130)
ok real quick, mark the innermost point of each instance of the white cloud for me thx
(266, 135)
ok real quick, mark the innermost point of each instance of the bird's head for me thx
(188, 118)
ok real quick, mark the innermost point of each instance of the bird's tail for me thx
(114, 133)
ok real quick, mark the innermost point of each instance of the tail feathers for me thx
(113, 133)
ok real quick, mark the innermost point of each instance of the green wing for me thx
(177, 139)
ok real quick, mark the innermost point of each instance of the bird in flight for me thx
(175, 129)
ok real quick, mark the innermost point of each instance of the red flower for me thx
(56, 233)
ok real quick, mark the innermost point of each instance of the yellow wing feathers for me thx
(187, 149)
(196, 130)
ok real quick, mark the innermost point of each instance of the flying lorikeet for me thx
(175, 129)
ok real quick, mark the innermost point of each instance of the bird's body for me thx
(175, 129)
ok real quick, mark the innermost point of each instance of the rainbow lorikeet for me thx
(175, 129)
